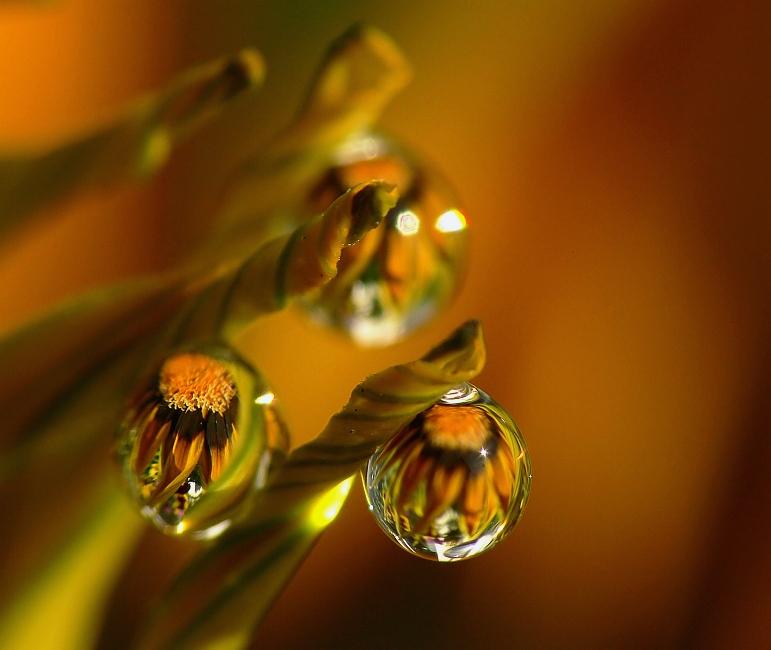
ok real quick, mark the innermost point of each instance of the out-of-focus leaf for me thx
(42, 361)
(135, 146)
(360, 74)
(222, 597)
(62, 602)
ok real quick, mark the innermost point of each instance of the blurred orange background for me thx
(614, 161)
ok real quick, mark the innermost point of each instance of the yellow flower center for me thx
(196, 382)
(460, 428)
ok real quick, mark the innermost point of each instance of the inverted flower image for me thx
(454, 481)
(187, 421)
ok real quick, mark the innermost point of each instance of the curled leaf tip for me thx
(461, 339)
(135, 146)
(460, 354)
(204, 91)
(371, 203)
(360, 74)
(244, 71)
(312, 253)
(378, 46)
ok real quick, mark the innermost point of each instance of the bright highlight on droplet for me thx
(329, 505)
(212, 532)
(265, 399)
(450, 221)
(407, 223)
(357, 148)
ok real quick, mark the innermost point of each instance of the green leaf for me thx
(378, 407)
(66, 378)
(222, 597)
(134, 147)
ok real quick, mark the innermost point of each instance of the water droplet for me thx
(454, 481)
(405, 271)
(196, 440)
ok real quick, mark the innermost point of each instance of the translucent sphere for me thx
(403, 272)
(196, 440)
(454, 481)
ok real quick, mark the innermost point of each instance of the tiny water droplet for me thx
(196, 439)
(402, 273)
(454, 481)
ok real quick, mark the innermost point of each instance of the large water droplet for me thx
(196, 441)
(405, 271)
(454, 481)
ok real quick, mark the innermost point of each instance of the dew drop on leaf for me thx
(402, 273)
(197, 439)
(454, 481)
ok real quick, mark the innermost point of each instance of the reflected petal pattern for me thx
(197, 439)
(454, 481)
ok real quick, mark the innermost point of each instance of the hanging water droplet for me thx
(454, 481)
(196, 441)
(405, 271)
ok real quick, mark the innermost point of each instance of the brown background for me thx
(613, 158)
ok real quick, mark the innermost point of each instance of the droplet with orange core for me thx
(405, 271)
(454, 481)
(197, 439)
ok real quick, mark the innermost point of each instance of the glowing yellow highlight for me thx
(327, 506)
(408, 223)
(266, 399)
(450, 221)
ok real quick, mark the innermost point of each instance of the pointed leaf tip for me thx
(467, 335)
(243, 72)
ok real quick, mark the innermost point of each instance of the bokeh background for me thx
(613, 158)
